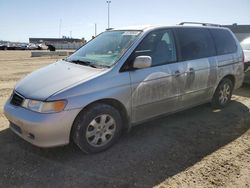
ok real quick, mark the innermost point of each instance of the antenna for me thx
(95, 29)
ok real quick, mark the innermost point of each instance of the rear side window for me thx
(224, 41)
(195, 43)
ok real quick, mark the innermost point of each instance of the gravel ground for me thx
(199, 147)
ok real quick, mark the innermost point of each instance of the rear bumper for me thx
(43, 130)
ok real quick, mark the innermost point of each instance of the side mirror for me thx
(141, 62)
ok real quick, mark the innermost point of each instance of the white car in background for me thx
(32, 46)
(42, 46)
(245, 44)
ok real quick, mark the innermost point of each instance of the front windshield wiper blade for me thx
(86, 63)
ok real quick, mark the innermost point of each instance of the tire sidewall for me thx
(85, 117)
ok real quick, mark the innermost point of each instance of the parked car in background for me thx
(21, 46)
(3, 47)
(42, 46)
(32, 46)
(26, 46)
(51, 47)
(11, 46)
(245, 44)
(124, 77)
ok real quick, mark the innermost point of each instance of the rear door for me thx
(198, 51)
(156, 90)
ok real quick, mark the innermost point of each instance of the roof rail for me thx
(200, 23)
(109, 29)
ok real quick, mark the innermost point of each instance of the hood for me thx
(46, 81)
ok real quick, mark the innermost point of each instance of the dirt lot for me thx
(199, 147)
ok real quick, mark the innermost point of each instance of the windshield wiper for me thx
(86, 63)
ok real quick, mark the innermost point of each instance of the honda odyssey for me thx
(124, 77)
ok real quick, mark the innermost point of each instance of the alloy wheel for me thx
(101, 130)
(224, 93)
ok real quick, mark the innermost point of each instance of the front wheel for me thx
(223, 94)
(97, 128)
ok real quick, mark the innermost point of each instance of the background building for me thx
(60, 43)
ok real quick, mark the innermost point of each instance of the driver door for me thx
(156, 90)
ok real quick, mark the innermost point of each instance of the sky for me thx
(21, 19)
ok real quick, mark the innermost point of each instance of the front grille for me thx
(16, 99)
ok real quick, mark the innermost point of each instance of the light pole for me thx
(95, 29)
(60, 28)
(108, 2)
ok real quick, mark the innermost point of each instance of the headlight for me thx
(44, 107)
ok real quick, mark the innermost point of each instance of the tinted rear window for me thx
(224, 41)
(195, 43)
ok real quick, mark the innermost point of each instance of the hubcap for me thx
(224, 93)
(101, 130)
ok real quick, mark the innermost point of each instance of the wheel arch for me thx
(214, 100)
(114, 103)
(230, 77)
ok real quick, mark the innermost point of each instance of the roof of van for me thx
(144, 27)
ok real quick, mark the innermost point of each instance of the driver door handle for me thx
(177, 73)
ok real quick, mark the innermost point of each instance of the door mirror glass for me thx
(142, 62)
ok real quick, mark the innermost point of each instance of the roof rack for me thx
(200, 23)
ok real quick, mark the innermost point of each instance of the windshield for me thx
(105, 49)
(245, 44)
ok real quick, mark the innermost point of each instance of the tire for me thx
(97, 128)
(223, 93)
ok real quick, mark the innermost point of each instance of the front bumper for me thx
(43, 130)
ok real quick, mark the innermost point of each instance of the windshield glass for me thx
(105, 49)
(245, 44)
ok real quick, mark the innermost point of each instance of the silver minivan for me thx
(124, 77)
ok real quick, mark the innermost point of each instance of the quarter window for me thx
(225, 44)
(195, 43)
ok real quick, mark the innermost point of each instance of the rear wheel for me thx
(97, 128)
(223, 93)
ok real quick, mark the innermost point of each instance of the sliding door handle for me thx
(191, 71)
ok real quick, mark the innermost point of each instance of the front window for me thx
(159, 45)
(105, 49)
